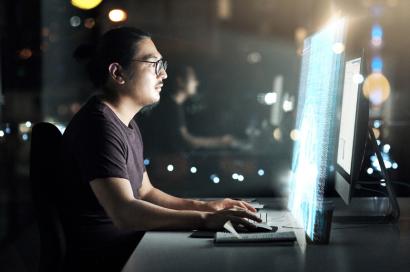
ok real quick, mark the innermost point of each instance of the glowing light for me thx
(147, 162)
(241, 178)
(287, 105)
(85, 4)
(24, 137)
(358, 78)
(378, 142)
(376, 43)
(376, 88)
(388, 164)
(338, 48)
(386, 148)
(193, 169)
(270, 98)
(294, 135)
(1, 133)
(7, 130)
(28, 124)
(89, 23)
(377, 64)
(277, 134)
(369, 170)
(23, 128)
(117, 15)
(235, 176)
(315, 107)
(377, 32)
(377, 124)
(25, 53)
(215, 179)
(395, 165)
(261, 172)
(377, 35)
(75, 21)
(383, 184)
(170, 168)
(254, 57)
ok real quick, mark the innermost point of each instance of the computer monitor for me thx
(354, 133)
(353, 130)
(319, 96)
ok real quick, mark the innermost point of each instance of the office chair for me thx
(44, 165)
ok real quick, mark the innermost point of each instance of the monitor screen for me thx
(348, 114)
(313, 152)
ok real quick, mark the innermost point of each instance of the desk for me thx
(352, 248)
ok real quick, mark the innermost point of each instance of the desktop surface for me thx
(353, 247)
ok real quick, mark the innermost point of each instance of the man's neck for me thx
(124, 107)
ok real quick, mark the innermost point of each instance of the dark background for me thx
(236, 56)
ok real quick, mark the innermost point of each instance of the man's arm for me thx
(151, 194)
(206, 142)
(127, 212)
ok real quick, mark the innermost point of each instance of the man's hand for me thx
(237, 216)
(227, 203)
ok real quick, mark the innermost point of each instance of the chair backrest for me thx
(44, 169)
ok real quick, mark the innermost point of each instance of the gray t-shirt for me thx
(96, 144)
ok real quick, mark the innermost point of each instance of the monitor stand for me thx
(382, 210)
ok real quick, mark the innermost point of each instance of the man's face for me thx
(144, 85)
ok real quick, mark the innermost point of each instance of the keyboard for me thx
(259, 237)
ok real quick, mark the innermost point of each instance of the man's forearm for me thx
(142, 215)
(162, 199)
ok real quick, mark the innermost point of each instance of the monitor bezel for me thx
(345, 182)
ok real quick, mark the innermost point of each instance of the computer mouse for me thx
(259, 227)
(262, 227)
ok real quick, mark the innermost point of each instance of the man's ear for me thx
(116, 73)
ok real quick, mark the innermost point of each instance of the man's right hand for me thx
(237, 216)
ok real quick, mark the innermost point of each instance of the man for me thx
(107, 199)
(164, 128)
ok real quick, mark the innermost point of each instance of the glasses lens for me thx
(161, 64)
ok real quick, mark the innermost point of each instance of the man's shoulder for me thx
(93, 118)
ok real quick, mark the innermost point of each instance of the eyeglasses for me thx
(159, 65)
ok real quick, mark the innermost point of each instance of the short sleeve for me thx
(102, 152)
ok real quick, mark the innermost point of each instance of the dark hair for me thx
(116, 45)
(175, 72)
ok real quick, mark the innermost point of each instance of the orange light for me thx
(376, 88)
(89, 23)
(25, 53)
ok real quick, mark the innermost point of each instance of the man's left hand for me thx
(228, 203)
